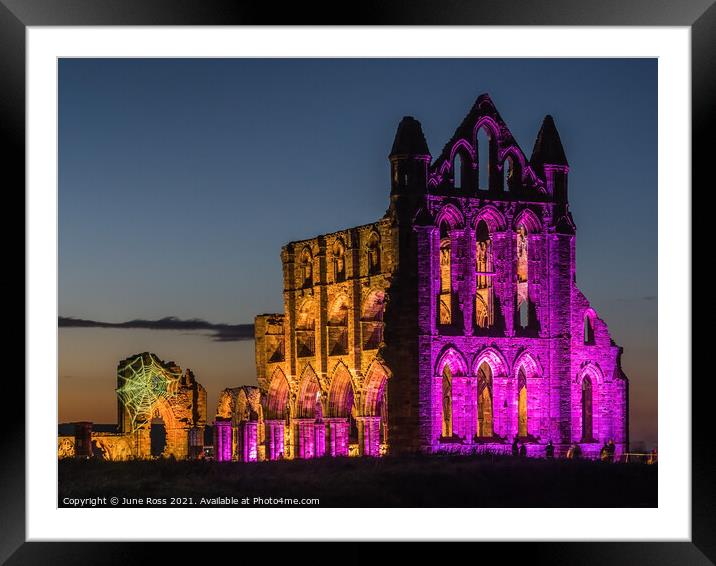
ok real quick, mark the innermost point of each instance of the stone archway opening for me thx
(157, 435)
(373, 424)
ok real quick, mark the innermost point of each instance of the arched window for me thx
(447, 403)
(338, 327)
(457, 168)
(508, 173)
(587, 429)
(306, 265)
(445, 299)
(484, 273)
(339, 262)
(372, 320)
(588, 330)
(523, 296)
(522, 429)
(373, 254)
(484, 401)
(306, 330)
(483, 158)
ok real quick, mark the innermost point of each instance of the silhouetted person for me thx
(515, 448)
(611, 448)
(604, 453)
(577, 451)
(523, 450)
(549, 451)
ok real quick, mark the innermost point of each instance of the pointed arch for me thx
(494, 358)
(374, 253)
(375, 389)
(451, 215)
(494, 219)
(339, 260)
(306, 267)
(452, 358)
(528, 219)
(341, 394)
(372, 319)
(308, 400)
(530, 364)
(277, 405)
(337, 325)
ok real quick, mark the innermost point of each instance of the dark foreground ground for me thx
(436, 481)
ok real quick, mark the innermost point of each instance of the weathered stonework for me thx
(452, 324)
(159, 391)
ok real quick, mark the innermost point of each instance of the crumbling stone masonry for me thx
(452, 324)
(149, 392)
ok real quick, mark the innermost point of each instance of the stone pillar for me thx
(275, 439)
(305, 438)
(83, 439)
(248, 441)
(222, 439)
(468, 283)
(338, 431)
(369, 436)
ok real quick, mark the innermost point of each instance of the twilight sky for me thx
(180, 180)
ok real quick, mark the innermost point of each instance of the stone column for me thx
(369, 436)
(248, 441)
(275, 439)
(337, 441)
(311, 438)
(222, 440)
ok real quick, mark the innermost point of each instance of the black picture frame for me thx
(699, 15)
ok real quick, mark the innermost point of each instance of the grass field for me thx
(435, 481)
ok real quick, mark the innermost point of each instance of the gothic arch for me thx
(494, 219)
(277, 398)
(490, 126)
(451, 357)
(309, 396)
(450, 214)
(527, 361)
(375, 388)
(462, 144)
(494, 358)
(518, 159)
(529, 220)
(341, 394)
(592, 370)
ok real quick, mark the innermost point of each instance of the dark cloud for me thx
(220, 332)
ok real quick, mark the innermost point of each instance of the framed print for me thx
(420, 275)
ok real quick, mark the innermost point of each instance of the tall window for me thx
(445, 275)
(483, 159)
(373, 254)
(306, 265)
(508, 173)
(484, 401)
(484, 273)
(339, 262)
(447, 403)
(522, 277)
(372, 320)
(338, 327)
(457, 172)
(587, 410)
(588, 330)
(522, 403)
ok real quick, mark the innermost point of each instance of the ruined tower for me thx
(452, 324)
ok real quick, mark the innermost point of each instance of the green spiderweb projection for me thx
(145, 381)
